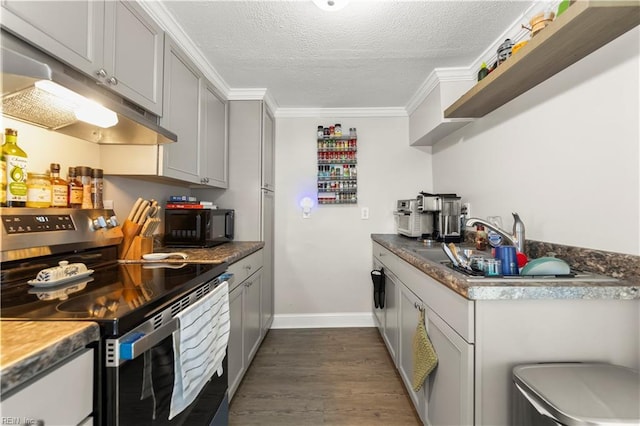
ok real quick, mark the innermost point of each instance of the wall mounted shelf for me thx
(583, 28)
(337, 181)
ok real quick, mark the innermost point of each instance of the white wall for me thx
(322, 264)
(564, 155)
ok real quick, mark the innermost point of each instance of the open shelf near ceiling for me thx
(583, 28)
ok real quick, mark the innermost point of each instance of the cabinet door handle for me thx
(101, 73)
(247, 267)
(381, 254)
(112, 81)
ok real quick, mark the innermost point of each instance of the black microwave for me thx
(198, 227)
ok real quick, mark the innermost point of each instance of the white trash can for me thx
(575, 394)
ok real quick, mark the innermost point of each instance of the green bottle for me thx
(483, 71)
(16, 165)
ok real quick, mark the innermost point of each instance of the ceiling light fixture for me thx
(331, 5)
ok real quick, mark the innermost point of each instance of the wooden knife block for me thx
(139, 246)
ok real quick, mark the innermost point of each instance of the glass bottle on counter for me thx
(75, 189)
(16, 164)
(59, 187)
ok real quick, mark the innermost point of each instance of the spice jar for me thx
(84, 176)
(97, 185)
(38, 190)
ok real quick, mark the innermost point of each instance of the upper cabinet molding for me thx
(158, 11)
(583, 28)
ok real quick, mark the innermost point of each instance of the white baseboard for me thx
(333, 320)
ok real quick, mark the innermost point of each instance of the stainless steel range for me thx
(134, 305)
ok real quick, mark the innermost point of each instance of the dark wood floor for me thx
(338, 376)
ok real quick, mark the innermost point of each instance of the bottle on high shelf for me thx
(16, 170)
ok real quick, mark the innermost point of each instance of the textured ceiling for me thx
(369, 54)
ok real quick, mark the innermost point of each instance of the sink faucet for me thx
(515, 239)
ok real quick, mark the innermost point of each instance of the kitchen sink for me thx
(574, 276)
(436, 254)
(432, 253)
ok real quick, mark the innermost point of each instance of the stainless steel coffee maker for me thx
(445, 210)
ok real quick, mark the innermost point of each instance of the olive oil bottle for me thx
(16, 169)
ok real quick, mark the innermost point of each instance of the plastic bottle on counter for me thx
(16, 165)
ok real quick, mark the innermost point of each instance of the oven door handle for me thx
(134, 344)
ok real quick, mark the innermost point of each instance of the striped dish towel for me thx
(199, 345)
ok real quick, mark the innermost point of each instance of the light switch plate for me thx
(364, 213)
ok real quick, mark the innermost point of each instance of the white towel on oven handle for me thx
(199, 346)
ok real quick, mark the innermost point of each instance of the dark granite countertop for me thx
(228, 252)
(29, 348)
(405, 248)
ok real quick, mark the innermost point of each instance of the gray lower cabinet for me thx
(408, 315)
(245, 311)
(447, 395)
(115, 42)
(478, 342)
(60, 396)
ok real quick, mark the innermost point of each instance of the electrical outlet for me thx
(466, 209)
(364, 213)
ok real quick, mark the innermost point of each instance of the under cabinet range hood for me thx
(42, 91)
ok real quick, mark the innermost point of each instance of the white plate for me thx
(45, 284)
(162, 256)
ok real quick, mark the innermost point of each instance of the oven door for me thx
(138, 391)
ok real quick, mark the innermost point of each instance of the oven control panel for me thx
(23, 224)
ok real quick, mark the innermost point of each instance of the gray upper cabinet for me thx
(115, 42)
(268, 147)
(198, 115)
(133, 54)
(182, 115)
(216, 142)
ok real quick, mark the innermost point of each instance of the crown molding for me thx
(158, 11)
(340, 112)
(256, 94)
(160, 14)
(515, 32)
(437, 76)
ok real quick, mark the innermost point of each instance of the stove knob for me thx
(99, 222)
(112, 222)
